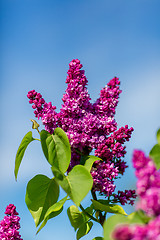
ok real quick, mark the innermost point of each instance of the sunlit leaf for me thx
(111, 223)
(41, 193)
(90, 160)
(111, 208)
(76, 184)
(84, 229)
(155, 155)
(52, 215)
(98, 238)
(158, 136)
(56, 148)
(138, 217)
(53, 211)
(75, 216)
(21, 150)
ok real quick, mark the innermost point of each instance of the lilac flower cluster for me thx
(10, 225)
(43, 110)
(149, 231)
(148, 184)
(103, 175)
(148, 189)
(112, 148)
(126, 197)
(88, 126)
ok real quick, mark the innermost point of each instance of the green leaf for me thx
(84, 229)
(52, 215)
(77, 184)
(41, 193)
(90, 160)
(155, 155)
(56, 207)
(56, 148)
(53, 211)
(21, 150)
(97, 238)
(158, 136)
(111, 208)
(135, 218)
(75, 216)
(110, 224)
(138, 217)
(88, 210)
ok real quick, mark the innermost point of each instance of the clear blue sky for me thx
(38, 40)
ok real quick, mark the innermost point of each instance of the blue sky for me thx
(38, 40)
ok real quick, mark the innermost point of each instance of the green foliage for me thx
(90, 160)
(97, 238)
(21, 150)
(79, 220)
(111, 208)
(158, 136)
(84, 229)
(56, 148)
(41, 193)
(155, 155)
(137, 217)
(53, 211)
(155, 151)
(76, 184)
(76, 217)
(110, 224)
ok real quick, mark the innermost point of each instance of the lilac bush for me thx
(89, 126)
(86, 151)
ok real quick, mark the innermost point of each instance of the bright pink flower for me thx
(10, 225)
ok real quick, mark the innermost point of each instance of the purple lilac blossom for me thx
(126, 197)
(148, 183)
(148, 231)
(10, 225)
(88, 126)
(148, 189)
(43, 110)
(103, 175)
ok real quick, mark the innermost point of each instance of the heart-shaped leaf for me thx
(77, 184)
(42, 192)
(56, 148)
